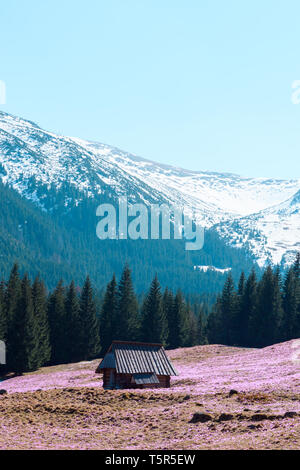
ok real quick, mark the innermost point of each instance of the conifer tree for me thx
(3, 320)
(291, 298)
(25, 338)
(12, 292)
(266, 321)
(192, 322)
(214, 326)
(237, 327)
(11, 301)
(58, 324)
(108, 318)
(247, 306)
(154, 322)
(128, 321)
(41, 316)
(89, 321)
(228, 304)
(168, 305)
(74, 328)
(174, 324)
(278, 305)
(202, 338)
(183, 314)
(178, 325)
(296, 266)
(241, 286)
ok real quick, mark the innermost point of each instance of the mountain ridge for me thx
(32, 158)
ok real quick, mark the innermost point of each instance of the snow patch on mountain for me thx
(205, 269)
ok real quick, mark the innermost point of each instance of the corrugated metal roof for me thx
(135, 358)
(140, 379)
(108, 362)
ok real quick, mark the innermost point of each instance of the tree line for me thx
(40, 328)
(162, 317)
(260, 312)
(69, 324)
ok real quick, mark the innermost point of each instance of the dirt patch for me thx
(200, 418)
(254, 397)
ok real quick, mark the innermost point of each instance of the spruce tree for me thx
(74, 328)
(154, 322)
(13, 292)
(291, 298)
(43, 330)
(168, 305)
(228, 303)
(236, 326)
(296, 268)
(278, 305)
(214, 328)
(108, 318)
(178, 324)
(89, 321)
(25, 340)
(202, 324)
(183, 315)
(246, 308)
(11, 302)
(58, 324)
(128, 322)
(3, 319)
(192, 321)
(241, 285)
(267, 318)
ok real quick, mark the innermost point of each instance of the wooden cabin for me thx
(136, 365)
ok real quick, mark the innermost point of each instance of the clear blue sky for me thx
(201, 84)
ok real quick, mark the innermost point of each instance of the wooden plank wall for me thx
(123, 381)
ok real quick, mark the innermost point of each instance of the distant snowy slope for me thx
(271, 235)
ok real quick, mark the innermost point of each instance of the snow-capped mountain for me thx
(271, 235)
(259, 213)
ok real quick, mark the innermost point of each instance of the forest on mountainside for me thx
(60, 242)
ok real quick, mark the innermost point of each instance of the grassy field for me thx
(223, 398)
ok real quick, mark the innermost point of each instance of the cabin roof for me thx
(108, 361)
(137, 358)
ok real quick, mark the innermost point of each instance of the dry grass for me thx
(198, 412)
(91, 418)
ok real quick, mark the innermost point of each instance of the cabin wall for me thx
(164, 381)
(107, 374)
(123, 381)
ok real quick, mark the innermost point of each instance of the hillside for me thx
(64, 407)
(64, 179)
(62, 243)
